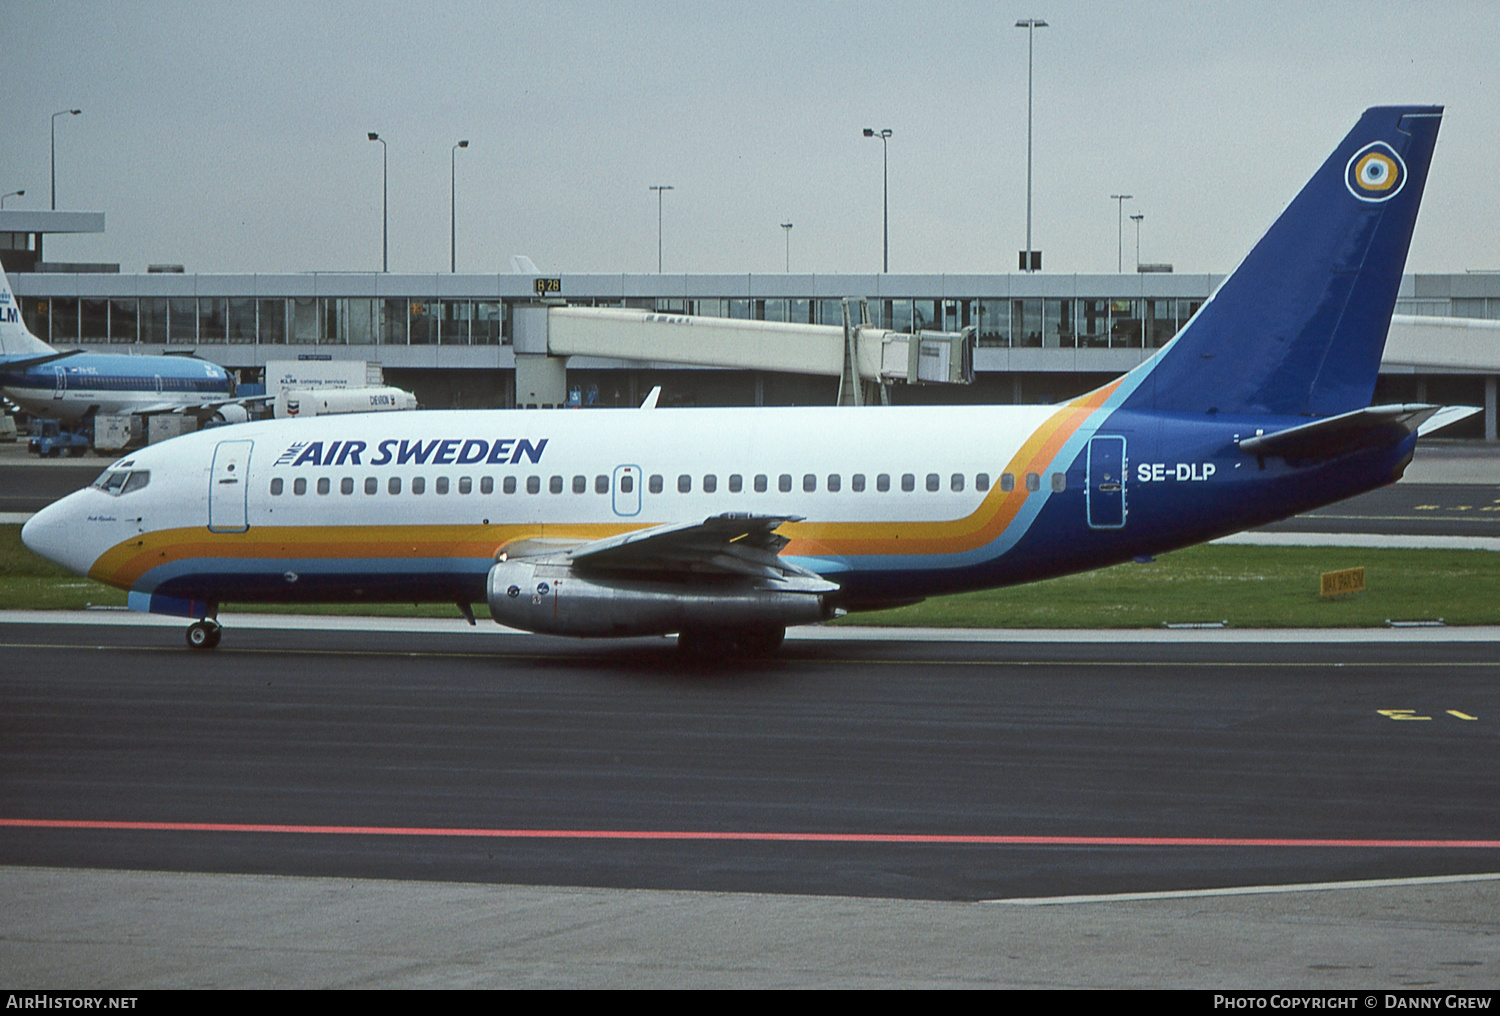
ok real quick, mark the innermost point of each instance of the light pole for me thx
(786, 228)
(885, 162)
(1137, 220)
(1031, 25)
(63, 112)
(385, 220)
(1120, 229)
(453, 206)
(12, 194)
(660, 188)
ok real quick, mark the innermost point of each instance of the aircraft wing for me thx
(210, 405)
(735, 544)
(1347, 432)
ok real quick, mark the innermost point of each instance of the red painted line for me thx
(744, 837)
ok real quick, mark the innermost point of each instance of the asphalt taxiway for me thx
(852, 780)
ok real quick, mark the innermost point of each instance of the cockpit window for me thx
(111, 481)
(119, 481)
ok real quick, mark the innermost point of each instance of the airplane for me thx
(73, 386)
(727, 526)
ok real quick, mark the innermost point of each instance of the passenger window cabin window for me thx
(934, 481)
(883, 482)
(908, 482)
(627, 483)
(710, 483)
(982, 482)
(486, 485)
(857, 483)
(372, 485)
(393, 485)
(834, 483)
(956, 483)
(509, 485)
(784, 482)
(1033, 481)
(299, 486)
(1059, 482)
(465, 485)
(555, 485)
(533, 484)
(346, 485)
(654, 484)
(276, 487)
(323, 485)
(601, 484)
(809, 483)
(419, 485)
(760, 483)
(736, 483)
(440, 485)
(580, 484)
(684, 484)
(1007, 482)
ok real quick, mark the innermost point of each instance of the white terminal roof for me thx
(46, 221)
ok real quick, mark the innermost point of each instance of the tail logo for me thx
(1375, 173)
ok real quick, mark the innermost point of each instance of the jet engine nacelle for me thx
(553, 599)
(231, 413)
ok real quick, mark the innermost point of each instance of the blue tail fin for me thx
(1299, 328)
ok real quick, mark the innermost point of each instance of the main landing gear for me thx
(204, 634)
(718, 643)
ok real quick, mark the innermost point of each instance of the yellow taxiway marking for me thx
(1461, 716)
(1401, 714)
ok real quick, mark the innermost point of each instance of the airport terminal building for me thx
(1040, 337)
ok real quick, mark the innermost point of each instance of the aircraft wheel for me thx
(700, 643)
(203, 634)
(760, 641)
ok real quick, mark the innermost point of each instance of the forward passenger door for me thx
(228, 487)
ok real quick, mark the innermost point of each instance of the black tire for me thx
(202, 635)
(707, 643)
(699, 643)
(759, 641)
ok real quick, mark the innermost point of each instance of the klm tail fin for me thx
(15, 338)
(1299, 328)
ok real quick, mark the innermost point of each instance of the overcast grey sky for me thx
(230, 137)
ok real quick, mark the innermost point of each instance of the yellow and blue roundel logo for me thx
(1376, 173)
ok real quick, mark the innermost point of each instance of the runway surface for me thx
(1406, 509)
(939, 771)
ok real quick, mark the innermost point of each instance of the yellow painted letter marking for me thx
(1340, 583)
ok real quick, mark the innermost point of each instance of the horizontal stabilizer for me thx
(19, 363)
(1347, 432)
(1445, 417)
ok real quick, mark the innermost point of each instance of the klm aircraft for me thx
(728, 525)
(74, 386)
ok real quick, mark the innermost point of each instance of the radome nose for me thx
(53, 533)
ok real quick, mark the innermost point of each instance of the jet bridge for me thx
(866, 359)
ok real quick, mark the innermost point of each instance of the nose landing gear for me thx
(204, 634)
